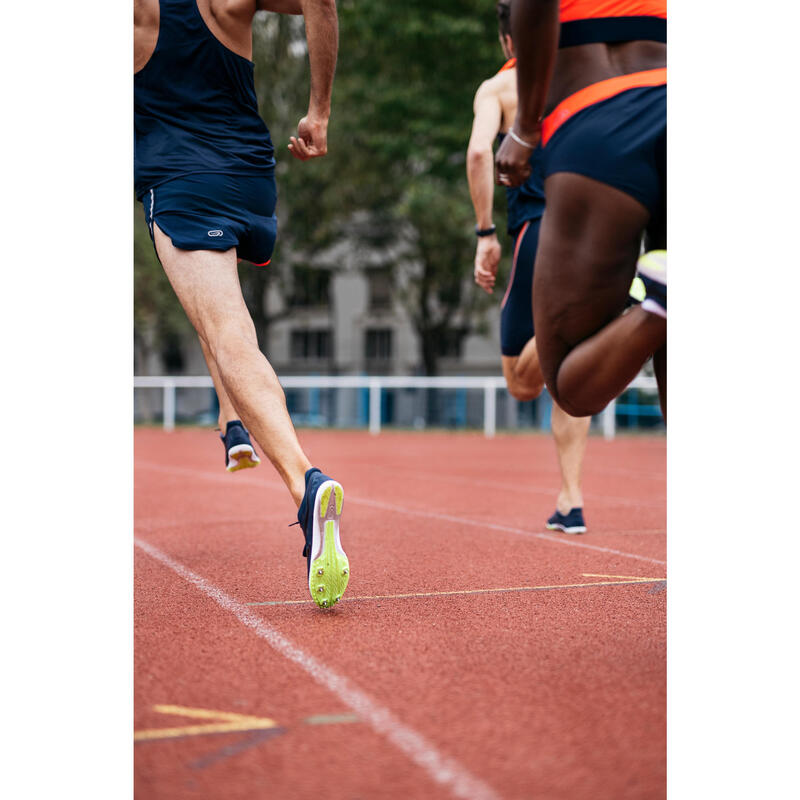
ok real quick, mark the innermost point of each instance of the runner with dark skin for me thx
(591, 232)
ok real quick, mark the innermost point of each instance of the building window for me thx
(378, 344)
(172, 354)
(310, 288)
(312, 345)
(380, 289)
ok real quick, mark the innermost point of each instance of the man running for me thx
(591, 85)
(495, 107)
(204, 171)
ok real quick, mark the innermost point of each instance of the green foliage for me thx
(406, 80)
(402, 114)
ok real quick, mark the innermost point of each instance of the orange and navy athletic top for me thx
(592, 21)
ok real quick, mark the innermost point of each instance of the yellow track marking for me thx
(623, 581)
(226, 722)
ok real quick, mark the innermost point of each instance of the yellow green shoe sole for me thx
(330, 569)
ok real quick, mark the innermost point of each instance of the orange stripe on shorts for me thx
(595, 93)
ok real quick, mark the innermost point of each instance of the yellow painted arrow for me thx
(224, 722)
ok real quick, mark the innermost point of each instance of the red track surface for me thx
(555, 693)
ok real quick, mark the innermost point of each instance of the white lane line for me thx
(442, 769)
(547, 537)
(516, 487)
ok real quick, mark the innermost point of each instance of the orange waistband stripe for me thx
(595, 93)
(592, 9)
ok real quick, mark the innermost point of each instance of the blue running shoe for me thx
(569, 523)
(652, 269)
(318, 515)
(239, 451)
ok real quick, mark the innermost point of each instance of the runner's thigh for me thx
(588, 247)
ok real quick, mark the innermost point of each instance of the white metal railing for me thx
(376, 384)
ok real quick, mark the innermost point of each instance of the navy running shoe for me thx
(239, 450)
(569, 523)
(318, 515)
(652, 269)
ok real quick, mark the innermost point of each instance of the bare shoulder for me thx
(487, 89)
(242, 11)
(507, 96)
(231, 21)
(499, 85)
(145, 12)
(145, 31)
(500, 89)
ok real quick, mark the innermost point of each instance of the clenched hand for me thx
(311, 140)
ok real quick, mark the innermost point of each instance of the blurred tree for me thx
(402, 115)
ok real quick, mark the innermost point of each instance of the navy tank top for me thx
(526, 202)
(195, 105)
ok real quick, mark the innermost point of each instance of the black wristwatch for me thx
(485, 231)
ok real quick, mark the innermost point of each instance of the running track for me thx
(473, 656)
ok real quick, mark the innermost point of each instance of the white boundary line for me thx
(547, 537)
(440, 768)
(516, 488)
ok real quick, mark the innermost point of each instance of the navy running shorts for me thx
(621, 141)
(212, 211)
(516, 314)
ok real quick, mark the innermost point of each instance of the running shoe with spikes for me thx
(652, 269)
(569, 523)
(239, 450)
(319, 515)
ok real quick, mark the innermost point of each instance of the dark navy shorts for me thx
(516, 314)
(621, 141)
(211, 211)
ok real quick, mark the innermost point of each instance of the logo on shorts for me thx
(215, 233)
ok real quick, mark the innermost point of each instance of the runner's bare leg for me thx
(523, 374)
(525, 382)
(570, 434)
(207, 285)
(227, 412)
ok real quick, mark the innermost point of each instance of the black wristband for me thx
(485, 231)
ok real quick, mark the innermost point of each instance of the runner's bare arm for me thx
(534, 28)
(480, 176)
(485, 126)
(322, 34)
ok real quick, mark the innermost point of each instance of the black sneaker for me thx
(652, 269)
(318, 515)
(569, 523)
(239, 451)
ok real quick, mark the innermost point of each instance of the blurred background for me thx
(372, 272)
